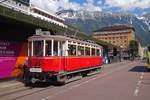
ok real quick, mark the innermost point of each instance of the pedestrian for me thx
(148, 58)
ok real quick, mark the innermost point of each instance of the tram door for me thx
(64, 52)
(59, 50)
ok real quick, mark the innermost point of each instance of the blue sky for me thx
(137, 7)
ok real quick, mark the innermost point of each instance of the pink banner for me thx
(9, 54)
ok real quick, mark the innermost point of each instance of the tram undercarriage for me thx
(62, 78)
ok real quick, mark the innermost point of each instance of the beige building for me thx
(119, 35)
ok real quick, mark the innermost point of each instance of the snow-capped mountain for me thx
(146, 19)
(82, 14)
(88, 21)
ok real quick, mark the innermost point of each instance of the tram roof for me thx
(61, 38)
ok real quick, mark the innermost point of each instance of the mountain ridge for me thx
(88, 21)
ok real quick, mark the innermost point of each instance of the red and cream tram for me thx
(61, 59)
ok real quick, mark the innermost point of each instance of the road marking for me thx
(139, 82)
(85, 82)
(141, 77)
(137, 89)
(142, 73)
(136, 92)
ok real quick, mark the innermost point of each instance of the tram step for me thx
(93, 73)
(74, 79)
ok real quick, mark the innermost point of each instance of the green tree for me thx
(133, 49)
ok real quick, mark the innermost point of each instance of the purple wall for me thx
(9, 51)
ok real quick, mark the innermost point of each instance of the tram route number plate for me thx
(35, 70)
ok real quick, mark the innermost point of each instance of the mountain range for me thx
(88, 21)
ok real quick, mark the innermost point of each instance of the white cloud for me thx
(89, 5)
(55, 5)
(48, 5)
(129, 4)
(99, 2)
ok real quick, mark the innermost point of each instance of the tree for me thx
(133, 49)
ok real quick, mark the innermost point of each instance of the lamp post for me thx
(120, 57)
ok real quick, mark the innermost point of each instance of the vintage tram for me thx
(55, 58)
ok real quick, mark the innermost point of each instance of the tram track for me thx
(22, 92)
(18, 89)
(34, 91)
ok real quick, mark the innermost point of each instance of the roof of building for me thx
(115, 28)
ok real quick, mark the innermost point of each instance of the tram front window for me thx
(55, 48)
(37, 48)
(48, 47)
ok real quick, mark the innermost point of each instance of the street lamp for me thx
(120, 57)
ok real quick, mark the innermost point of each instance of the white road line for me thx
(141, 77)
(137, 89)
(142, 73)
(139, 82)
(136, 92)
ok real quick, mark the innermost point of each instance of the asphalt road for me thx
(118, 81)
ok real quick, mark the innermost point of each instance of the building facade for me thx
(47, 16)
(119, 35)
(17, 5)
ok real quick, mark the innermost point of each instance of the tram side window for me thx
(55, 48)
(38, 48)
(98, 52)
(48, 48)
(80, 50)
(93, 52)
(87, 51)
(72, 50)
